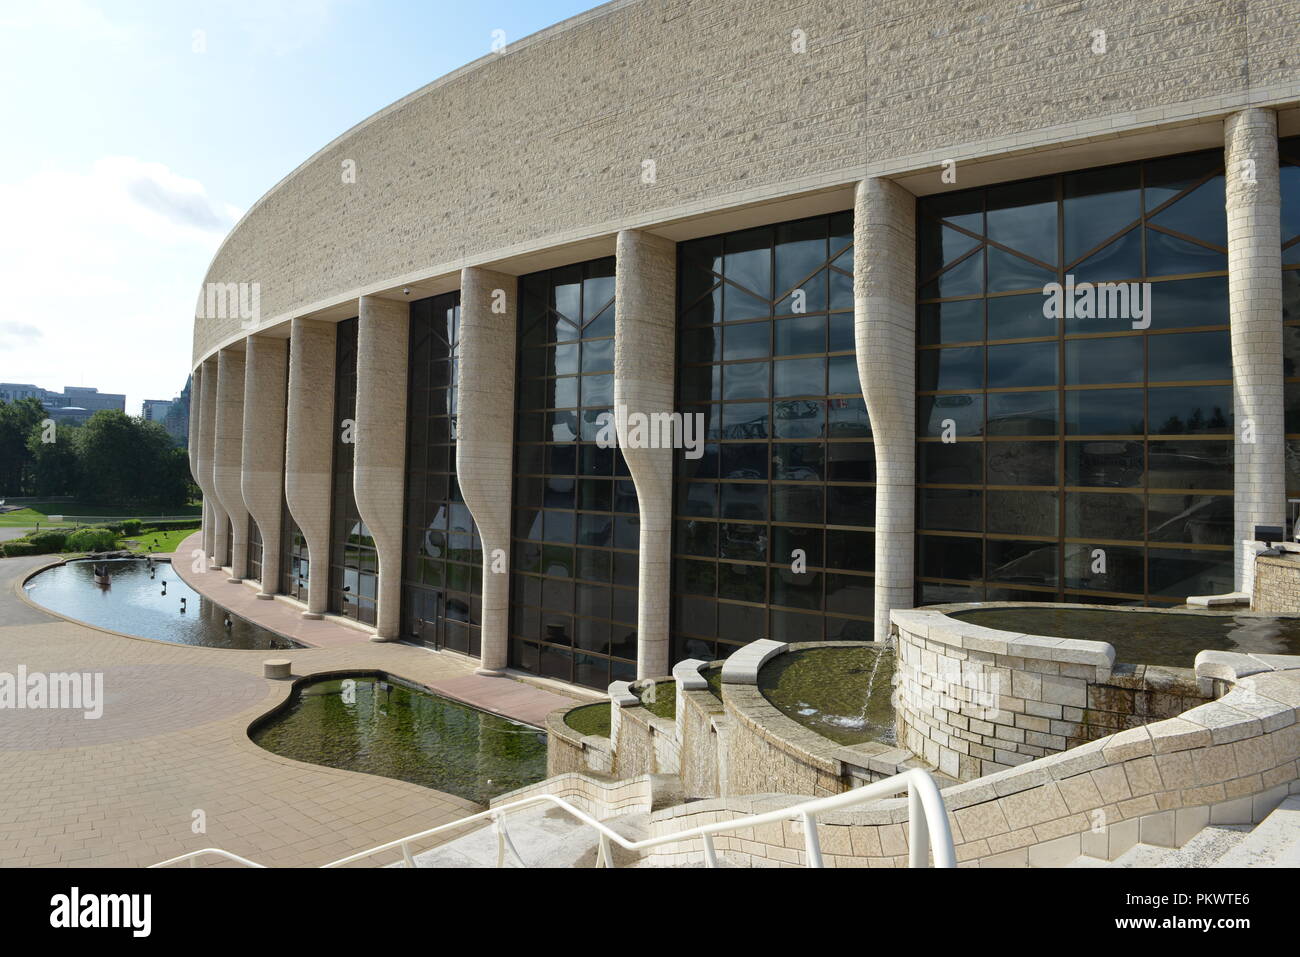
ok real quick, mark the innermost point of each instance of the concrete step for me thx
(1275, 842)
(1204, 849)
(544, 836)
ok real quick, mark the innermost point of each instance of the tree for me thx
(126, 460)
(54, 465)
(17, 419)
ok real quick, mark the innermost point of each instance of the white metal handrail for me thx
(927, 826)
(193, 857)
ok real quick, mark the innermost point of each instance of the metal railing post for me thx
(918, 834)
(812, 844)
(710, 852)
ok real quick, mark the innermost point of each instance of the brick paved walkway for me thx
(123, 790)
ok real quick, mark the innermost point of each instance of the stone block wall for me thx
(973, 700)
(702, 728)
(567, 751)
(592, 795)
(642, 743)
(1277, 585)
(1229, 761)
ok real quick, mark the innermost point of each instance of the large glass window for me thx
(774, 523)
(576, 525)
(294, 565)
(442, 561)
(254, 550)
(1085, 452)
(354, 564)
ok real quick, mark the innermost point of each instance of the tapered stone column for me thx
(214, 530)
(485, 434)
(196, 410)
(265, 376)
(309, 449)
(645, 354)
(228, 456)
(379, 468)
(1255, 317)
(884, 304)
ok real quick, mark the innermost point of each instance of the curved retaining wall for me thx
(1277, 585)
(1228, 761)
(974, 700)
(568, 752)
(640, 742)
(702, 733)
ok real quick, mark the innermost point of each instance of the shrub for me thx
(91, 540)
(17, 549)
(131, 527)
(53, 540)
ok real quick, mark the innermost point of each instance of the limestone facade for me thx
(635, 190)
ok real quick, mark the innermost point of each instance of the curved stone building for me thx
(986, 301)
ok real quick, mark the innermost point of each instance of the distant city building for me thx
(13, 391)
(172, 414)
(77, 396)
(69, 414)
(86, 398)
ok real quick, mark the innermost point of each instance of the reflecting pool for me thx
(1170, 638)
(843, 693)
(388, 727)
(148, 602)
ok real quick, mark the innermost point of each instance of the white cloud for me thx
(100, 264)
(15, 334)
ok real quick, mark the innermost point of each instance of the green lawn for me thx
(27, 518)
(39, 512)
(158, 541)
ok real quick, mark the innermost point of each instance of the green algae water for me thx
(590, 719)
(1169, 638)
(387, 727)
(841, 693)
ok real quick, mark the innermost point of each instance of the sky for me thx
(135, 133)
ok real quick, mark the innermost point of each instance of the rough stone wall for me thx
(642, 743)
(309, 448)
(697, 714)
(760, 761)
(645, 356)
(485, 434)
(972, 700)
(265, 376)
(884, 305)
(1277, 586)
(567, 751)
(379, 471)
(1225, 762)
(593, 795)
(1254, 209)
